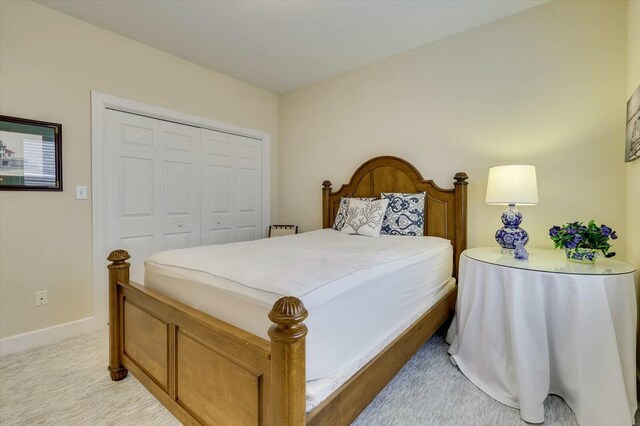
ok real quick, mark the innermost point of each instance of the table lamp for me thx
(511, 185)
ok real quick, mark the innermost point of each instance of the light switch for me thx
(81, 192)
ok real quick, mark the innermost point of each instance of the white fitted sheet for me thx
(318, 390)
(358, 290)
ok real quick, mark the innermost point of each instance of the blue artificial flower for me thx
(570, 244)
(554, 231)
(605, 230)
(571, 230)
(613, 235)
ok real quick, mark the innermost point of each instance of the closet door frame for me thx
(100, 103)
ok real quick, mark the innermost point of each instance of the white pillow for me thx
(364, 217)
(338, 223)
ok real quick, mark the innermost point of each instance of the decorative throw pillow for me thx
(405, 214)
(342, 211)
(364, 217)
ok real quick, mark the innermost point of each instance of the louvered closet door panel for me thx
(249, 189)
(180, 168)
(218, 206)
(133, 195)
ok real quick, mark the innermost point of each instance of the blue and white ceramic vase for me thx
(582, 255)
(511, 233)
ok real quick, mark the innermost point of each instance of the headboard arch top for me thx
(445, 209)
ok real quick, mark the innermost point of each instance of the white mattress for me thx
(318, 390)
(360, 292)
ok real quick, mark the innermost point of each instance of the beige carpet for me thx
(68, 384)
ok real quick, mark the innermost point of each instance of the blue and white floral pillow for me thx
(341, 216)
(405, 214)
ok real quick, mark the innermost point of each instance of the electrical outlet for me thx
(42, 298)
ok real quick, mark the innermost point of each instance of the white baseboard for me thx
(46, 336)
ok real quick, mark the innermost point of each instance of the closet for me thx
(170, 186)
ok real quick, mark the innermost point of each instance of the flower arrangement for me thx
(575, 235)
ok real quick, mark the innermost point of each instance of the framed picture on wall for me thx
(30, 155)
(632, 151)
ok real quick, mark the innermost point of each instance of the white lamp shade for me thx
(514, 184)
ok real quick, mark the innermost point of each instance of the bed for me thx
(218, 342)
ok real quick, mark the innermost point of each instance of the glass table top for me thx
(546, 260)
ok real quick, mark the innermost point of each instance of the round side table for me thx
(526, 329)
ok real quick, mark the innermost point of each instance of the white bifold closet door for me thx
(153, 186)
(232, 189)
(172, 186)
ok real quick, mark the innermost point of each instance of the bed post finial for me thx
(461, 178)
(118, 272)
(460, 239)
(288, 378)
(118, 256)
(326, 214)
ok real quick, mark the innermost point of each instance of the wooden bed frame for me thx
(206, 371)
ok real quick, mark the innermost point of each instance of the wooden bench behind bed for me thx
(206, 371)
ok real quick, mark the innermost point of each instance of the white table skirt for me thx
(520, 335)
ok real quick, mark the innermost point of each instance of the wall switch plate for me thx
(81, 192)
(42, 298)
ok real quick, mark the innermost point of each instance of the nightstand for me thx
(526, 329)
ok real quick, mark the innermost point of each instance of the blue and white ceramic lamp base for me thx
(511, 234)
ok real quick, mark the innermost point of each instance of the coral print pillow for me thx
(364, 217)
(405, 214)
(342, 211)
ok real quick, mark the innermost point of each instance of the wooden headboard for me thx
(446, 209)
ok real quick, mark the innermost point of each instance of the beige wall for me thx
(543, 87)
(49, 63)
(633, 169)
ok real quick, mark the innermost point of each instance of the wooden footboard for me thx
(204, 370)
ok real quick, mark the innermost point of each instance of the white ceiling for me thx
(285, 44)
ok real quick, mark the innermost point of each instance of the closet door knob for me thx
(180, 225)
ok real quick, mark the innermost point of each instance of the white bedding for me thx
(358, 290)
(318, 390)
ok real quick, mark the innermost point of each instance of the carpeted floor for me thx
(68, 384)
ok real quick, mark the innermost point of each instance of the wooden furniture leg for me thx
(326, 216)
(288, 375)
(118, 272)
(460, 242)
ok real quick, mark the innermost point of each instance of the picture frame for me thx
(632, 146)
(30, 155)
